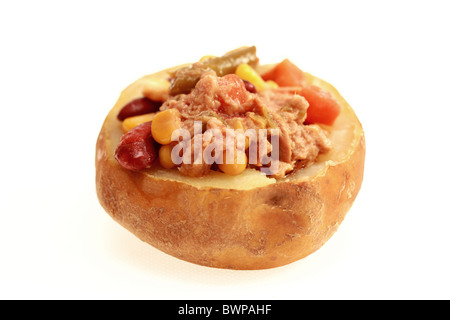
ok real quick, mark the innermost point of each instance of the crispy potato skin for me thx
(261, 228)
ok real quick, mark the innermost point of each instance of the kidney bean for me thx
(138, 107)
(249, 86)
(137, 149)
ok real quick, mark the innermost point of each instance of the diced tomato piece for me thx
(232, 89)
(286, 74)
(270, 75)
(323, 108)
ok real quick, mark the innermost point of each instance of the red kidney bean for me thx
(137, 107)
(137, 149)
(249, 86)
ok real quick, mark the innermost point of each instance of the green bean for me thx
(228, 63)
(186, 78)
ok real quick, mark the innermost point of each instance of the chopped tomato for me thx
(231, 87)
(323, 108)
(286, 74)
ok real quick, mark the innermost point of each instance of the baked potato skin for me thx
(260, 228)
(235, 229)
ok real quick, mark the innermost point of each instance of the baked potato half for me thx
(249, 221)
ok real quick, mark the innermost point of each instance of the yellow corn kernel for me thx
(246, 72)
(165, 156)
(237, 166)
(156, 89)
(133, 122)
(207, 57)
(271, 84)
(247, 142)
(164, 124)
(236, 124)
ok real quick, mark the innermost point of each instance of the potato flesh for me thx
(344, 133)
(249, 179)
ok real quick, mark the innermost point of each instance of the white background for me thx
(63, 65)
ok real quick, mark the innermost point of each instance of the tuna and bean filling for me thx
(222, 107)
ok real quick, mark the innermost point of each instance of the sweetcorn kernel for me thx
(272, 84)
(132, 122)
(235, 167)
(246, 72)
(165, 156)
(164, 124)
(156, 89)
